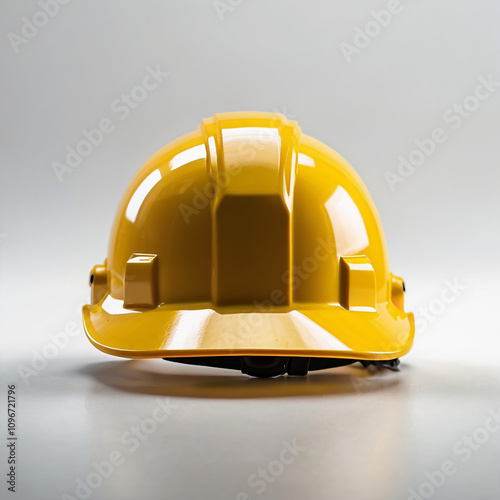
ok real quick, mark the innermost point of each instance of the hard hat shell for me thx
(247, 238)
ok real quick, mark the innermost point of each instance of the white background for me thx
(361, 434)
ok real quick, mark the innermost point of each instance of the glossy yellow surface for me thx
(248, 221)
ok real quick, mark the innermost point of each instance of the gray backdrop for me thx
(407, 91)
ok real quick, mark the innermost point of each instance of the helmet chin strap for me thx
(273, 366)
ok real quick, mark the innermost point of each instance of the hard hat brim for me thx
(200, 330)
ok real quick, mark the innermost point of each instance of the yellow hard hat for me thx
(248, 245)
